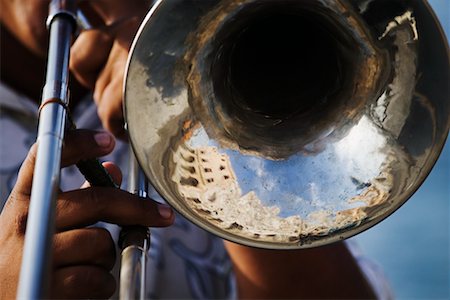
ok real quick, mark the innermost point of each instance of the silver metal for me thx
(132, 272)
(83, 21)
(135, 243)
(62, 8)
(357, 140)
(55, 89)
(33, 283)
(137, 182)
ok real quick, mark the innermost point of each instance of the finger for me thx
(110, 110)
(112, 170)
(17, 204)
(85, 207)
(25, 176)
(86, 246)
(89, 55)
(78, 145)
(108, 92)
(82, 282)
(84, 144)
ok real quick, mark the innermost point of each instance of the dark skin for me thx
(15, 58)
(98, 57)
(82, 257)
(327, 272)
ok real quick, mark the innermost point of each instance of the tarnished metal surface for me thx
(309, 177)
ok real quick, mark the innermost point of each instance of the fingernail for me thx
(103, 139)
(165, 211)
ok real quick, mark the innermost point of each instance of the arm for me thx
(327, 272)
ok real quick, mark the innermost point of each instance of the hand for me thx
(99, 56)
(82, 257)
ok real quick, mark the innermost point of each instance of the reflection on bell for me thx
(233, 200)
(287, 124)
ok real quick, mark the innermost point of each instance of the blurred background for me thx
(412, 245)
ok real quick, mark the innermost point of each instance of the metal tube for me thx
(132, 272)
(34, 283)
(137, 182)
(134, 241)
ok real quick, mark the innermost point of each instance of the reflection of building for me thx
(206, 180)
(202, 173)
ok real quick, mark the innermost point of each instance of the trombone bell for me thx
(283, 123)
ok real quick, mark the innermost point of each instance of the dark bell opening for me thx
(276, 76)
(282, 65)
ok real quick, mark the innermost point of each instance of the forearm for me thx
(326, 272)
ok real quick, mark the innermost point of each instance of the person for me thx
(185, 261)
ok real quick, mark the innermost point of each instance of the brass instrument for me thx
(288, 123)
(64, 20)
(34, 274)
(280, 124)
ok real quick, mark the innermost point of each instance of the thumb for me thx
(78, 145)
(25, 176)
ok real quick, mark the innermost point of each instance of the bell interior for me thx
(282, 77)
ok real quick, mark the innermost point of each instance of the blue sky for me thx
(412, 245)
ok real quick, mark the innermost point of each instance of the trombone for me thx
(33, 282)
(63, 22)
(268, 111)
